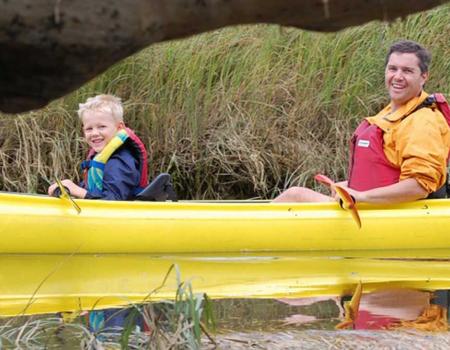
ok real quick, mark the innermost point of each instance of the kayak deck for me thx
(40, 224)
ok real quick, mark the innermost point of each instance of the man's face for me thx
(403, 78)
(99, 128)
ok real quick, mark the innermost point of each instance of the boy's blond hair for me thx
(103, 103)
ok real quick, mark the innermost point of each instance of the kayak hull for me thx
(40, 224)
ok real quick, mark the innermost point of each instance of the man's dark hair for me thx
(409, 46)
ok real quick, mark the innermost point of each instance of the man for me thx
(401, 153)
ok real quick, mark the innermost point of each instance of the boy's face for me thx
(99, 128)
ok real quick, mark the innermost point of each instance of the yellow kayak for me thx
(40, 224)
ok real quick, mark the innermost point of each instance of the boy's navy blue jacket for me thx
(121, 176)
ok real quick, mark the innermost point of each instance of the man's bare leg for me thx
(302, 194)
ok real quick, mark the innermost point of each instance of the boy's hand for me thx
(75, 190)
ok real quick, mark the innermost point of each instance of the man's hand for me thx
(342, 184)
(358, 196)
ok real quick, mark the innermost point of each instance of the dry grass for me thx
(236, 113)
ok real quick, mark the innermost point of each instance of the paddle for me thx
(64, 195)
(351, 309)
(347, 201)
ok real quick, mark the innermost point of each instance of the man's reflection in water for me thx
(385, 308)
(393, 308)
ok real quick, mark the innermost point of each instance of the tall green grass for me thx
(235, 113)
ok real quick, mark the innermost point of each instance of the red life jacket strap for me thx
(143, 157)
(443, 106)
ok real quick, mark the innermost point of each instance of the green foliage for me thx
(235, 113)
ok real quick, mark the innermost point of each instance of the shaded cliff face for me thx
(49, 48)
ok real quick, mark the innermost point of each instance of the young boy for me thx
(116, 167)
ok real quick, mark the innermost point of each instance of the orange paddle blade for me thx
(355, 301)
(348, 202)
(324, 179)
(351, 309)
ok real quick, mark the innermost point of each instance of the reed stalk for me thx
(241, 112)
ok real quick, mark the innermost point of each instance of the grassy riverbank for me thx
(236, 113)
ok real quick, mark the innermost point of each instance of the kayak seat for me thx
(160, 189)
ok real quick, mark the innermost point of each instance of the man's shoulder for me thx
(425, 118)
(427, 113)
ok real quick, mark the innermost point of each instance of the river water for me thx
(262, 300)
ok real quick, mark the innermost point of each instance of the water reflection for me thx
(266, 295)
(31, 284)
(383, 309)
(276, 314)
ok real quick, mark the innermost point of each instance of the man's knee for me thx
(294, 193)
